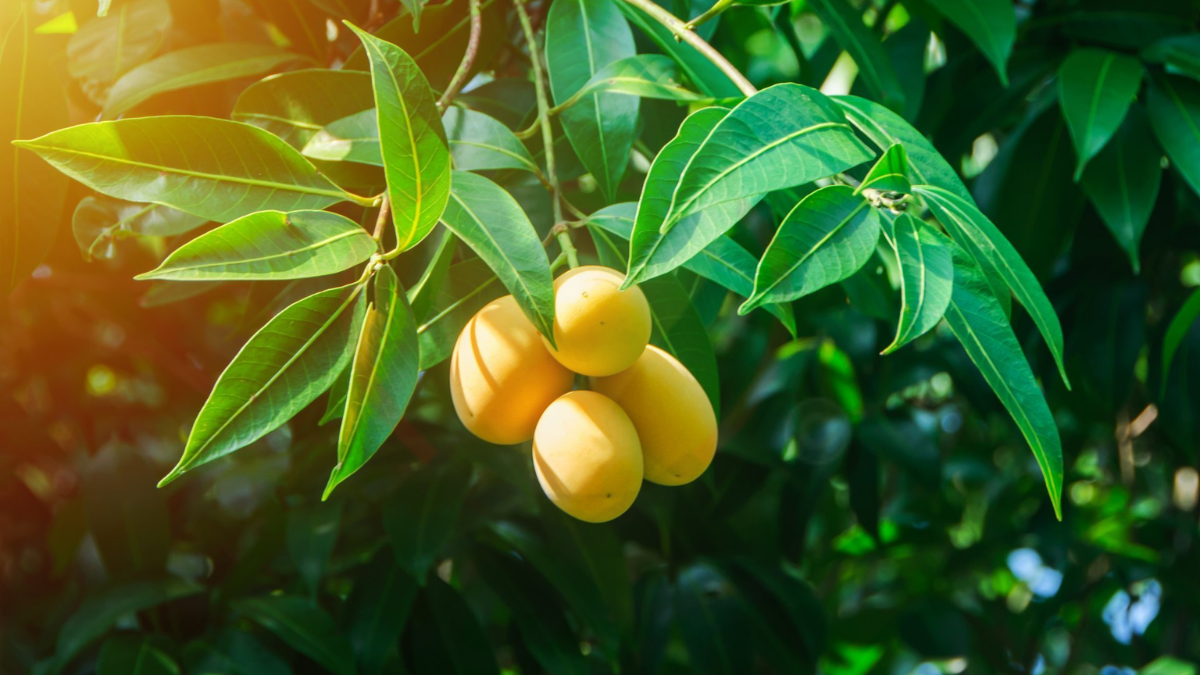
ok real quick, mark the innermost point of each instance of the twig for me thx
(468, 59)
(384, 209)
(713, 12)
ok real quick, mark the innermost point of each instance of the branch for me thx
(468, 59)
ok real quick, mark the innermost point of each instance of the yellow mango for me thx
(673, 416)
(502, 378)
(587, 456)
(599, 330)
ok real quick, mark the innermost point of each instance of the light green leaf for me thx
(306, 628)
(191, 67)
(296, 105)
(991, 24)
(1179, 53)
(104, 49)
(979, 323)
(582, 37)
(382, 380)
(890, 173)
(1122, 182)
(134, 654)
(826, 238)
(491, 222)
(1176, 331)
(416, 156)
(216, 169)
(100, 222)
(312, 532)
(469, 286)
(420, 518)
(232, 652)
(852, 35)
(926, 278)
(1174, 106)
(723, 261)
(354, 138)
(270, 245)
(643, 75)
(983, 241)
(1095, 89)
(285, 366)
(479, 143)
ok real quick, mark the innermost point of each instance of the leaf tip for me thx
(170, 477)
(749, 306)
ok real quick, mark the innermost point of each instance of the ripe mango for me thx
(599, 329)
(673, 416)
(587, 456)
(501, 376)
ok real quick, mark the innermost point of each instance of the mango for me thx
(587, 456)
(599, 330)
(673, 416)
(502, 378)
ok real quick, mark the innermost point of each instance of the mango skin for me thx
(587, 456)
(599, 329)
(674, 419)
(501, 376)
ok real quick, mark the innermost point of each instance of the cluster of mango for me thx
(643, 414)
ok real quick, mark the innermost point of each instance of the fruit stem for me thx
(568, 247)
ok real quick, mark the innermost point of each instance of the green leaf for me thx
(469, 286)
(479, 143)
(852, 35)
(378, 608)
(191, 67)
(582, 37)
(354, 138)
(1174, 106)
(1122, 182)
(232, 652)
(312, 532)
(979, 323)
(826, 238)
(991, 24)
(132, 654)
(890, 173)
(722, 163)
(285, 366)
(126, 516)
(382, 380)
(1179, 53)
(713, 621)
(32, 195)
(644, 75)
(102, 609)
(100, 222)
(977, 236)
(421, 516)
(296, 105)
(491, 222)
(416, 156)
(676, 326)
(1176, 331)
(926, 278)
(215, 169)
(1095, 89)
(335, 400)
(786, 613)
(415, 7)
(1168, 665)
(104, 49)
(270, 245)
(304, 627)
(699, 69)
(423, 295)
(723, 261)
(447, 638)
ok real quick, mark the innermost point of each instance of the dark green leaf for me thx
(106, 48)
(469, 286)
(294, 106)
(991, 24)
(170, 292)
(421, 516)
(312, 532)
(132, 654)
(232, 652)
(890, 173)
(1095, 88)
(335, 402)
(852, 35)
(99, 222)
(270, 245)
(378, 609)
(1174, 106)
(713, 621)
(416, 156)
(1179, 327)
(926, 278)
(826, 238)
(423, 294)
(479, 143)
(286, 365)
(446, 638)
(1179, 53)
(382, 380)
(699, 69)
(126, 516)
(304, 627)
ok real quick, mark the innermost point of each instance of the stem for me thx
(558, 262)
(568, 247)
(712, 12)
(468, 59)
(384, 209)
(681, 32)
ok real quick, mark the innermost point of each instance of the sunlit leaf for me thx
(926, 278)
(304, 627)
(890, 173)
(991, 24)
(1095, 89)
(100, 222)
(296, 105)
(699, 69)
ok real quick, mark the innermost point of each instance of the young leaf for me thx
(890, 173)
(926, 278)
(991, 24)
(304, 627)
(826, 238)
(190, 67)
(983, 241)
(382, 380)
(479, 143)
(216, 169)
(285, 366)
(979, 323)
(270, 245)
(723, 261)
(99, 222)
(1174, 106)
(469, 286)
(296, 105)
(106, 48)
(491, 222)
(377, 610)
(1095, 88)
(582, 37)
(1122, 182)
(874, 66)
(1176, 331)
(421, 516)
(416, 157)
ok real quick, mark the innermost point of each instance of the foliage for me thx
(915, 474)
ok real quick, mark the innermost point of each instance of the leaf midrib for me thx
(758, 296)
(248, 261)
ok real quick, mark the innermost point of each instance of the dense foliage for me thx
(934, 262)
